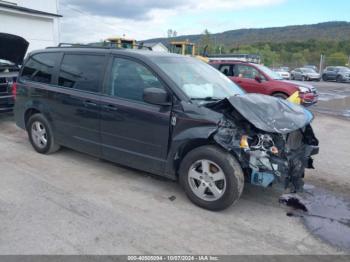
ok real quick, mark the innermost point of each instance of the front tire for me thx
(41, 135)
(211, 178)
(280, 95)
(324, 78)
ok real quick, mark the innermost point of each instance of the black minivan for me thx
(166, 114)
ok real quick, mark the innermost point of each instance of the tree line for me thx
(275, 54)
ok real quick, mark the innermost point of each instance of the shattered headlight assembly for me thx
(262, 142)
(303, 89)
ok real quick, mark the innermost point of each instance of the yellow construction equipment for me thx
(120, 42)
(183, 48)
(186, 48)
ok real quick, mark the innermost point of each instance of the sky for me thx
(94, 20)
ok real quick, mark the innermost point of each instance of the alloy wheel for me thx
(39, 135)
(207, 180)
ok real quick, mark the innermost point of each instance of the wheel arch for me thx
(28, 113)
(187, 147)
(280, 92)
(35, 108)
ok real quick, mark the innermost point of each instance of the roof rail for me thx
(103, 46)
(230, 60)
(71, 45)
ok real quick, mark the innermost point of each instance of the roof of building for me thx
(152, 44)
(27, 10)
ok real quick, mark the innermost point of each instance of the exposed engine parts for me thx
(270, 158)
(262, 142)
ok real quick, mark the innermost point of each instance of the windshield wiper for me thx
(208, 98)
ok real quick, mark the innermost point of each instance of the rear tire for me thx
(211, 178)
(324, 78)
(339, 79)
(40, 135)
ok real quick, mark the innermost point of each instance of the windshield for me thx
(308, 70)
(343, 69)
(198, 80)
(269, 72)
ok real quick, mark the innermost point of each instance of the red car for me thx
(255, 78)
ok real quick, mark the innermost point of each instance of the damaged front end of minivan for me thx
(272, 138)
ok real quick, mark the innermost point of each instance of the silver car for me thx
(305, 74)
(337, 73)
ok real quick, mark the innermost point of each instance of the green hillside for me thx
(328, 31)
(291, 45)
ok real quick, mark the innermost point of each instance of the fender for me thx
(184, 142)
(36, 105)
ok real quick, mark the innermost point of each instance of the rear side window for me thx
(227, 70)
(82, 72)
(40, 67)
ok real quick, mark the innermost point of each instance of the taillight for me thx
(14, 90)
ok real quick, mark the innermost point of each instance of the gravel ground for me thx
(71, 203)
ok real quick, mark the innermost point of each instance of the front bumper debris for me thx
(289, 172)
(262, 167)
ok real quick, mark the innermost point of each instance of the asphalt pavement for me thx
(334, 98)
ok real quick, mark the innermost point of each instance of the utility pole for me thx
(321, 63)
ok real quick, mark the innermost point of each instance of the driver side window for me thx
(246, 71)
(129, 79)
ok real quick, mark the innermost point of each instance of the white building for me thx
(35, 20)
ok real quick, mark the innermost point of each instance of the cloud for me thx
(141, 9)
(128, 9)
(234, 4)
(93, 20)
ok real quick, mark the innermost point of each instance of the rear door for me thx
(77, 101)
(227, 70)
(331, 73)
(133, 132)
(297, 74)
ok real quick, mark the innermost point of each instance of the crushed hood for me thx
(268, 113)
(13, 48)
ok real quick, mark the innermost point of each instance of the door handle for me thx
(110, 108)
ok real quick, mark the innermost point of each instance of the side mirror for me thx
(258, 79)
(156, 96)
